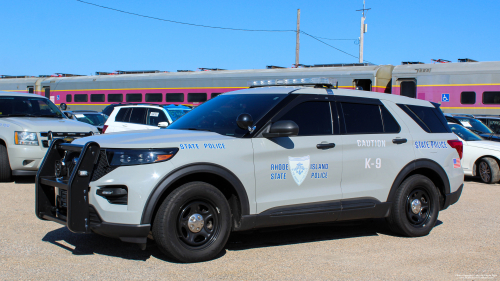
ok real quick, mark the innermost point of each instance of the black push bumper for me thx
(452, 198)
(72, 209)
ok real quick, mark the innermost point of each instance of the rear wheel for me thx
(5, 171)
(193, 223)
(416, 206)
(488, 170)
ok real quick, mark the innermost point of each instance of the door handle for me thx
(325, 145)
(399, 141)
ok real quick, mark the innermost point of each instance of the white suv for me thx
(255, 158)
(143, 117)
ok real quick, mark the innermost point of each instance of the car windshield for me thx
(19, 106)
(92, 119)
(176, 113)
(464, 133)
(219, 115)
(475, 125)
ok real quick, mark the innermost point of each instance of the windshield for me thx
(28, 106)
(176, 113)
(474, 125)
(463, 133)
(219, 115)
(92, 119)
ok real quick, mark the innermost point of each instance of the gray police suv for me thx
(256, 158)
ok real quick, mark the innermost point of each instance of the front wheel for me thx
(193, 223)
(488, 170)
(5, 171)
(415, 208)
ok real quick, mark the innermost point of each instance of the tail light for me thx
(104, 128)
(456, 144)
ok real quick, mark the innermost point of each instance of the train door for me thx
(46, 90)
(408, 87)
(363, 84)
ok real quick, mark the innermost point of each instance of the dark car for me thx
(492, 121)
(474, 125)
(91, 117)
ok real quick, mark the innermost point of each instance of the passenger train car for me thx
(465, 87)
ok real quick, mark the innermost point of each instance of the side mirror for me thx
(244, 121)
(63, 106)
(69, 115)
(163, 124)
(283, 128)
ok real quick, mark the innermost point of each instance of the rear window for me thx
(123, 115)
(430, 119)
(368, 119)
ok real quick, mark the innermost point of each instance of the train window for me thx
(97, 97)
(31, 89)
(69, 98)
(468, 98)
(197, 97)
(154, 98)
(213, 95)
(363, 84)
(47, 92)
(81, 98)
(174, 97)
(408, 89)
(134, 97)
(491, 97)
(115, 97)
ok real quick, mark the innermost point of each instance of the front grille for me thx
(102, 168)
(67, 134)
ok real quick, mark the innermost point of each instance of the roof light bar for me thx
(317, 81)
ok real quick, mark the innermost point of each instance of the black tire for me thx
(5, 171)
(403, 219)
(171, 227)
(487, 170)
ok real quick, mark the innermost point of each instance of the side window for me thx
(138, 115)
(115, 97)
(134, 97)
(491, 97)
(197, 97)
(97, 97)
(81, 98)
(123, 115)
(362, 118)
(314, 118)
(156, 116)
(154, 97)
(69, 98)
(493, 124)
(174, 97)
(427, 118)
(390, 124)
(408, 89)
(31, 89)
(468, 98)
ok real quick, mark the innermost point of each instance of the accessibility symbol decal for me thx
(445, 97)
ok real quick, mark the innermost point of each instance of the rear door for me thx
(376, 148)
(295, 170)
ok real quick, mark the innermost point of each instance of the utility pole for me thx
(298, 40)
(363, 31)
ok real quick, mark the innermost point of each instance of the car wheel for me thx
(488, 171)
(415, 209)
(5, 171)
(193, 223)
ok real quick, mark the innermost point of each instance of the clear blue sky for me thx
(44, 37)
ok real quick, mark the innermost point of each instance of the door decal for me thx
(299, 167)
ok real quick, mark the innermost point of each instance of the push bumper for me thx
(452, 198)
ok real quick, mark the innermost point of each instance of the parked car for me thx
(480, 157)
(91, 117)
(492, 121)
(474, 125)
(143, 117)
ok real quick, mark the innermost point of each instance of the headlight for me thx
(126, 157)
(25, 138)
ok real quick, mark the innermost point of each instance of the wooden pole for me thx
(297, 46)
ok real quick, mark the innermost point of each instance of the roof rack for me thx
(136, 71)
(14, 76)
(185, 71)
(411, 62)
(440, 61)
(273, 67)
(335, 65)
(317, 82)
(210, 69)
(466, 60)
(59, 75)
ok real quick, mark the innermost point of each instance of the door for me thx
(376, 148)
(408, 88)
(46, 91)
(129, 118)
(295, 170)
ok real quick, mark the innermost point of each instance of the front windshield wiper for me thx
(49, 115)
(196, 129)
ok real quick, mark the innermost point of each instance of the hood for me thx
(43, 124)
(152, 138)
(491, 145)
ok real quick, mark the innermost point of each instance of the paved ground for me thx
(464, 245)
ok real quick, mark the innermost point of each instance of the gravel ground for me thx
(465, 245)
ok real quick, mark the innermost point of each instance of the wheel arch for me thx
(474, 167)
(220, 177)
(428, 168)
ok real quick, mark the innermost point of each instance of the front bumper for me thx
(452, 198)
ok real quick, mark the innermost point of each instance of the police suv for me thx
(259, 157)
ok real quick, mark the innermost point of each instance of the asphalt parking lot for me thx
(465, 245)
